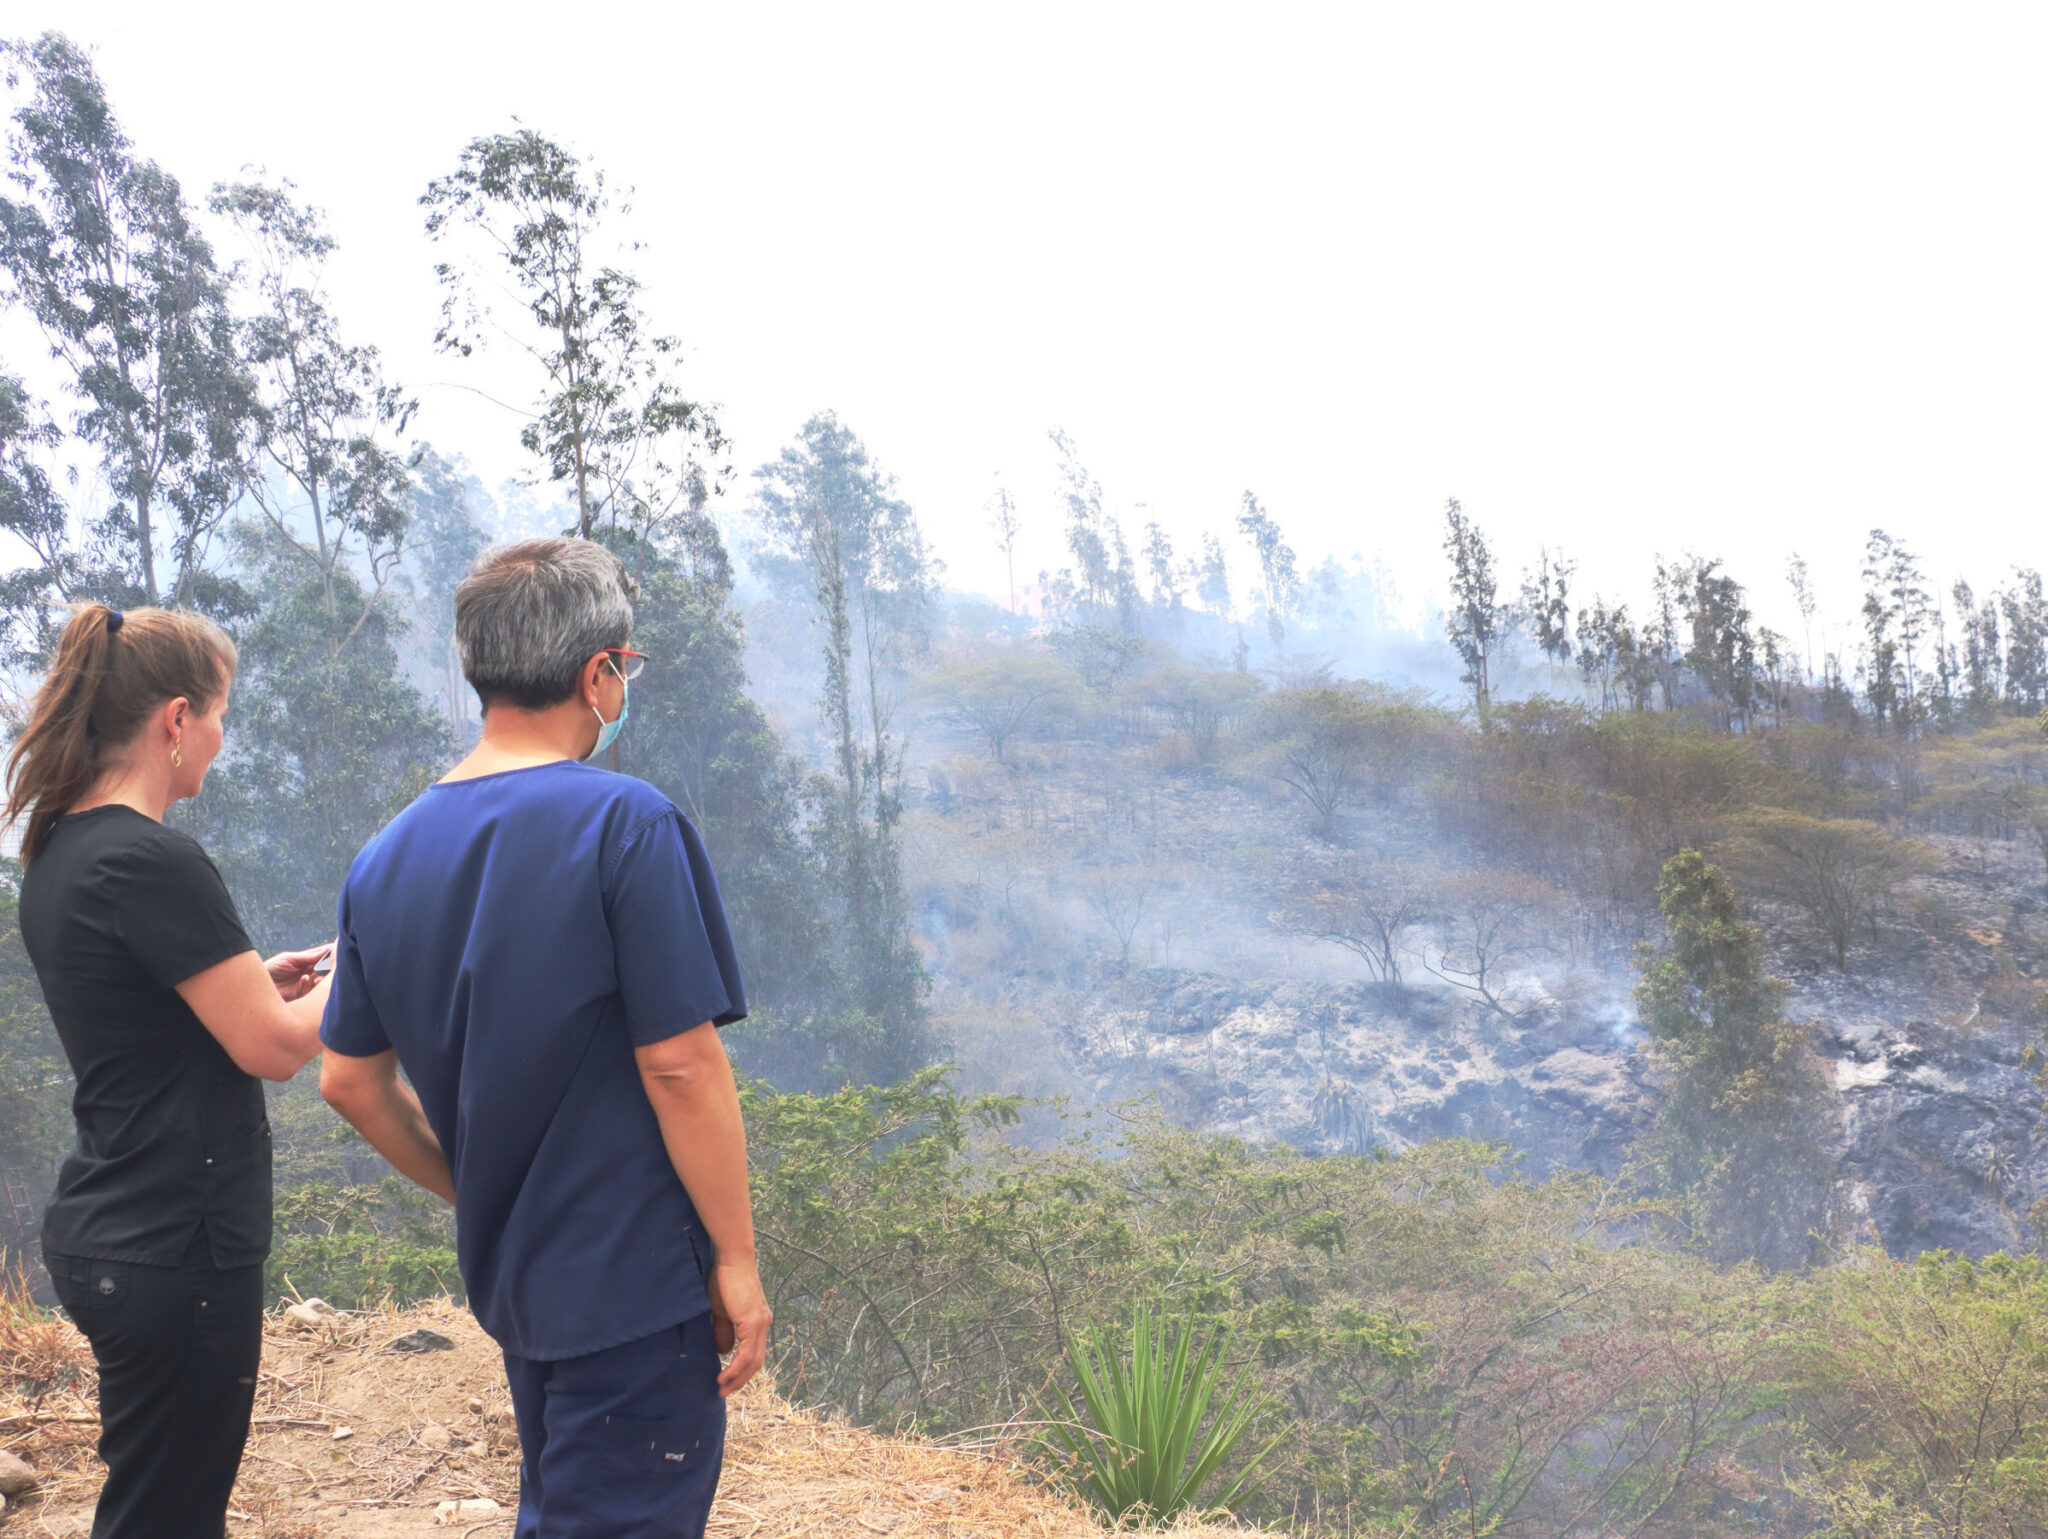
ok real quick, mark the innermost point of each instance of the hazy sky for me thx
(1737, 279)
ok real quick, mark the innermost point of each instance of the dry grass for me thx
(428, 1428)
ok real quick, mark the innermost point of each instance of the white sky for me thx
(1736, 278)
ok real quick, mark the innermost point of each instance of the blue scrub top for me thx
(515, 937)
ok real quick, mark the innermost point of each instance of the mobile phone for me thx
(325, 965)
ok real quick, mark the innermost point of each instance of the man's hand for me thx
(292, 971)
(740, 1318)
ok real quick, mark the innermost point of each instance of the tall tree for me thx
(1801, 579)
(1279, 582)
(1546, 599)
(1898, 612)
(101, 250)
(33, 512)
(1103, 581)
(1721, 649)
(328, 479)
(1982, 654)
(1005, 523)
(2025, 610)
(1212, 578)
(611, 422)
(835, 522)
(446, 531)
(1167, 575)
(1478, 622)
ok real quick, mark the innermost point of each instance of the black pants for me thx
(177, 1349)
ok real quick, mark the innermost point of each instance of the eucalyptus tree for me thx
(33, 512)
(1898, 612)
(1168, 577)
(1721, 649)
(1279, 581)
(99, 247)
(328, 478)
(611, 420)
(2024, 608)
(1211, 577)
(1006, 526)
(1479, 621)
(1546, 599)
(834, 526)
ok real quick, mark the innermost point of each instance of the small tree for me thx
(1493, 923)
(1839, 872)
(1366, 908)
(1323, 741)
(1745, 1098)
(1200, 700)
(1001, 698)
(1122, 897)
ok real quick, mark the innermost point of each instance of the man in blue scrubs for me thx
(538, 944)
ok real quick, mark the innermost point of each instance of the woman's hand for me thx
(292, 971)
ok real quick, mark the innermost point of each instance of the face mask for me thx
(608, 731)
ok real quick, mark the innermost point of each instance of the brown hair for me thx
(110, 671)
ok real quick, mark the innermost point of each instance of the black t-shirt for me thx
(116, 911)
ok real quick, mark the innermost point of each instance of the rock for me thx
(436, 1437)
(343, 1434)
(469, 1510)
(422, 1341)
(16, 1475)
(476, 1405)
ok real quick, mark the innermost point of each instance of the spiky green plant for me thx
(1148, 1457)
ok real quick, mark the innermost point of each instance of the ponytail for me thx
(109, 672)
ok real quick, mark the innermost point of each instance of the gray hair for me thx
(530, 615)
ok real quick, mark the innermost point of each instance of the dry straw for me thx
(432, 1427)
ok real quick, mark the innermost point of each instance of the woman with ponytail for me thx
(157, 1235)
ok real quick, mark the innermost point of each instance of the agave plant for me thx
(1148, 1457)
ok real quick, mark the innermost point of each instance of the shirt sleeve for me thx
(351, 1026)
(173, 910)
(676, 965)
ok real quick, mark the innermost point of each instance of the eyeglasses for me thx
(628, 663)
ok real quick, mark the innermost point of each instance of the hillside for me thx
(1116, 909)
(355, 1439)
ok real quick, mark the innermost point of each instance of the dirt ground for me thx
(352, 1439)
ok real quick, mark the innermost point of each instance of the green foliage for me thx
(1839, 872)
(1923, 1389)
(1148, 1457)
(362, 1246)
(1745, 1096)
(1401, 1310)
(326, 742)
(35, 1079)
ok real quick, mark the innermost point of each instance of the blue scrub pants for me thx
(623, 1443)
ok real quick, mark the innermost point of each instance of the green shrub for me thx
(359, 1247)
(1147, 1457)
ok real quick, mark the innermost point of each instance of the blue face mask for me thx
(608, 731)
